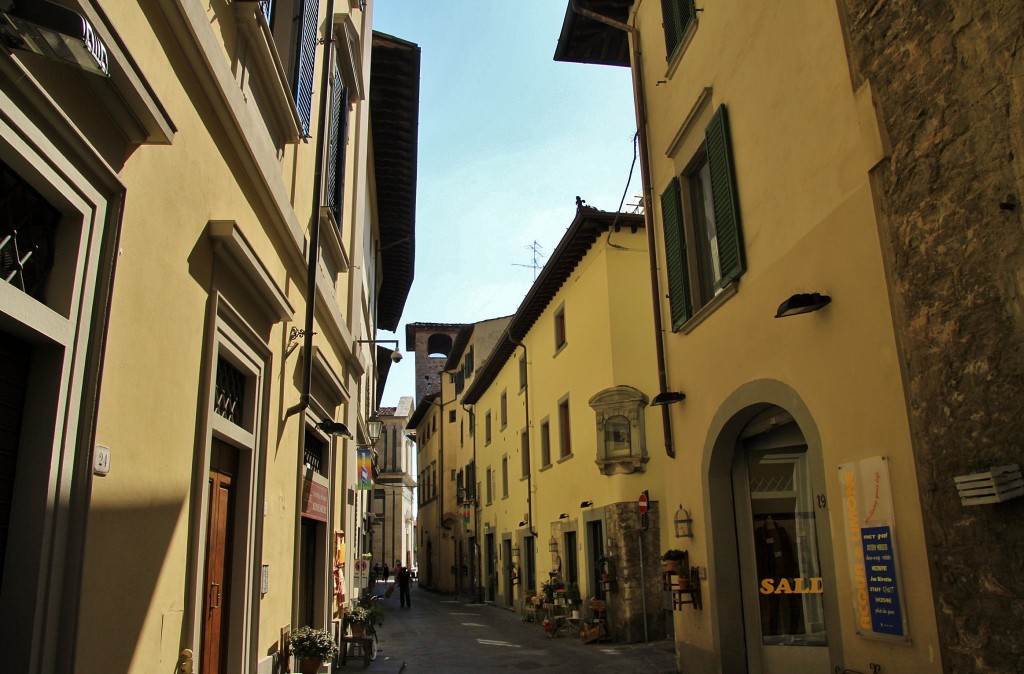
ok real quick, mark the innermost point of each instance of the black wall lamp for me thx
(802, 303)
(563, 516)
(667, 398)
(586, 504)
(332, 427)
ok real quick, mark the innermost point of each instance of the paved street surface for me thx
(442, 634)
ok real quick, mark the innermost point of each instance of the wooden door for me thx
(217, 584)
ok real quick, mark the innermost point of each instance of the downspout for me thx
(529, 445)
(314, 227)
(477, 589)
(645, 177)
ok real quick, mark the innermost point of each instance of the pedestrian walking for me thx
(403, 577)
(387, 572)
(374, 575)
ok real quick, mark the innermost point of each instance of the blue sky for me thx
(507, 139)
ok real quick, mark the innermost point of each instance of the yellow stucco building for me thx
(791, 450)
(202, 239)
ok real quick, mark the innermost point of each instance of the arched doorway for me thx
(771, 541)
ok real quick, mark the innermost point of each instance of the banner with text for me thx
(870, 529)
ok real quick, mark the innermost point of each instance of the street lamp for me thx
(374, 426)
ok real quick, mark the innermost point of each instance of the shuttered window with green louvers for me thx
(710, 221)
(677, 15)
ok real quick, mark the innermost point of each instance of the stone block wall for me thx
(638, 582)
(948, 81)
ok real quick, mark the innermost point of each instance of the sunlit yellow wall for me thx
(609, 338)
(803, 141)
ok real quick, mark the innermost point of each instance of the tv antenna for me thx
(538, 253)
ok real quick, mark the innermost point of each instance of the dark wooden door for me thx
(217, 585)
(14, 363)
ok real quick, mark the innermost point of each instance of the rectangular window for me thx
(565, 436)
(504, 476)
(451, 416)
(305, 49)
(490, 485)
(522, 372)
(559, 328)
(503, 410)
(524, 449)
(334, 190)
(676, 15)
(545, 443)
(703, 237)
(487, 428)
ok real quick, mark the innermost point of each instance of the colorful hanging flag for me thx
(364, 469)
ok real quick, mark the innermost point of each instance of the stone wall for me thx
(633, 579)
(948, 80)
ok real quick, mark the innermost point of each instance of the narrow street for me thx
(442, 634)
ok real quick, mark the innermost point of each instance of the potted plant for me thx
(312, 646)
(572, 594)
(672, 559)
(356, 618)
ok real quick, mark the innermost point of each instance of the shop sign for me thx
(869, 529)
(315, 499)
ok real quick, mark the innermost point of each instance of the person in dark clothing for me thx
(403, 578)
(387, 572)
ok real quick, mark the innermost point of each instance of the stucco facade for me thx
(199, 507)
(758, 146)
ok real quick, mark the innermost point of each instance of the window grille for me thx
(313, 453)
(229, 397)
(267, 7)
(28, 226)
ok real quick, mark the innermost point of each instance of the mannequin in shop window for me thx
(776, 559)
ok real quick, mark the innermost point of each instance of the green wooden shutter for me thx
(676, 15)
(307, 42)
(724, 196)
(335, 188)
(675, 255)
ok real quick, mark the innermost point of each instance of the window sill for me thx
(565, 458)
(559, 349)
(623, 465)
(269, 70)
(702, 314)
(546, 466)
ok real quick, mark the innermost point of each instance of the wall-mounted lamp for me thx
(684, 523)
(586, 504)
(55, 32)
(563, 516)
(553, 544)
(522, 524)
(667, 398)
(293, 340)
(802, 303)
(332, 427)
(396, 355)
(373, 428)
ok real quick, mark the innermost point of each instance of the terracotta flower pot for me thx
(310, 665)
(358, 629)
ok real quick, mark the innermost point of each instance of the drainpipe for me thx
(314, 228)
(529, 473)
(478, 591)
(645, 173)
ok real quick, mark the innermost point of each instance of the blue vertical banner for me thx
(364, 469)
(869, 529)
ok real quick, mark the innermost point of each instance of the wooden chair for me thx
(596, 628)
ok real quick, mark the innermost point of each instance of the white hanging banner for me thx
(869, 528)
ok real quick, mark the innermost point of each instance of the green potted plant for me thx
(672, 559)
(572, 594)
(312, 646)
(356, 618)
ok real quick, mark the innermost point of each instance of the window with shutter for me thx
(677, 15)
(337, 142)
(306, 52)
(703, 237)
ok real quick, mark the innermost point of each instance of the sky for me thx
(508, 138)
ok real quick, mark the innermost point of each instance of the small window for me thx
(545, 443)
(564, 431)
(487, 428)
(522, 372)
(504, 477)
(490, 485)
(677, 16)
(451, 416)
(559, 328)
(524, 449)
(503, 410)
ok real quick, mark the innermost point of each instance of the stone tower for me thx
(431, 342)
